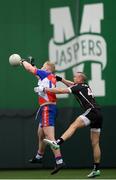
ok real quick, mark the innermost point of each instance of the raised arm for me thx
(28, 67)
(58, 90)
(67, 82)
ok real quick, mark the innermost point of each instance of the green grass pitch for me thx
(63, 174)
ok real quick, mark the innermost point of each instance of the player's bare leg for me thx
(95, 136)
(50, 134)
(41, 147)
(78, 123)
(41, 144)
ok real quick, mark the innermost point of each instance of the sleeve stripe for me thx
(69, 89)
(35, 71)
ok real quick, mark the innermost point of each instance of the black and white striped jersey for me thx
(84, 95)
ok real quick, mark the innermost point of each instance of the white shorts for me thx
(93, 118)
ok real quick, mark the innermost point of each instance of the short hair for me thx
(52, 65)
(83, 76)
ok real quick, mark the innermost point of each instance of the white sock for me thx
(38, 156)
(60, 161)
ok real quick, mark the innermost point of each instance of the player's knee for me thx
(76, 125)
(95, 143)
(49, 136)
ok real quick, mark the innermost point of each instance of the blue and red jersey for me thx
(46, 79)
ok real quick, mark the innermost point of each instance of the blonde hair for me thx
(83, 76)
(51, 65)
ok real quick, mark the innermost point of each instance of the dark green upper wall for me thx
(21, 32)
(25, 29)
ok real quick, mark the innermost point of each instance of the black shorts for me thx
(95, 117)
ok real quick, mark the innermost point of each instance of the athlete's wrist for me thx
(21, 62)
(58, 78)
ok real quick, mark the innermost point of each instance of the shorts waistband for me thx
(48, 103)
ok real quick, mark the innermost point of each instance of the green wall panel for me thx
(26, 28)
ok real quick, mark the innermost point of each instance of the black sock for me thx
(96, 166)
(59, 141)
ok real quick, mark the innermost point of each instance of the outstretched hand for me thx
(31, 60)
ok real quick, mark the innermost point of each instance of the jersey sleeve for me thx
(41, 73)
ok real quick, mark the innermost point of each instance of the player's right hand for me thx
(39, 89)
(36, 89)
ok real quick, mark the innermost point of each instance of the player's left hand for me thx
(31, 60)
(36, 89)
